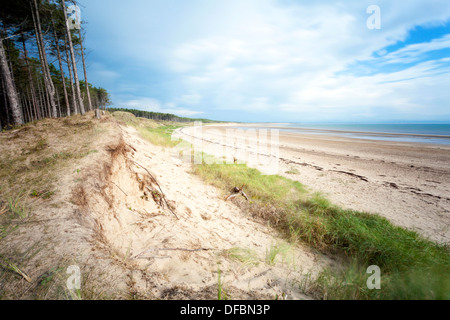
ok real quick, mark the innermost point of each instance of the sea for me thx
(420, 133)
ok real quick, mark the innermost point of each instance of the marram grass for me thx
(411, 267)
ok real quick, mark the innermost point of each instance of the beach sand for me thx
(107, 216)
(407, 183)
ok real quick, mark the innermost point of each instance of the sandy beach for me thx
(407, 183)
(137, 222)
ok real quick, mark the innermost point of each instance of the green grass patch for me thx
(44, 194)
(16, 207)
(262, 189)
(247, 257)
(221, 293)
(6, 229)
(7, 264)
(160, 136)
(40, 145)
(411, 266)
(157, 133)
(275, 251)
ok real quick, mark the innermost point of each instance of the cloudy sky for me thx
(273, 60)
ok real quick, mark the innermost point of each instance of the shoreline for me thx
(407, 183)
(355, 134)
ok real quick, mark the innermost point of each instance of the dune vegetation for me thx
(412, 267)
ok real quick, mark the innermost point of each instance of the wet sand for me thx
(408, 183)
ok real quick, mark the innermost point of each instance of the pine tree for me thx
(74, 61)
(11, 92)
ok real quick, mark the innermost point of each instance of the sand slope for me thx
(108, 218)
(179, 252)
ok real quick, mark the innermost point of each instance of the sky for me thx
(273, 60)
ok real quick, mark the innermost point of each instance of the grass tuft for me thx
(247, 257)
(160, 136)
(16, 207)
(6, 263)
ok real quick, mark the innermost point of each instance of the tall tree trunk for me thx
(42, 99)
(97, 104)
(30, 98)
(85, 72)
(72, 86)
(14, 103)
(39, 98)
(5, 101)
(45, 66)
(25, 108)
(48, 104)
(74, 62)
(41, 88)
(9, 59)
(66, 98)
(30, 80)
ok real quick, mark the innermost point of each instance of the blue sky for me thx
(273, 60)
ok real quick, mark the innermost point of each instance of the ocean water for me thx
(422, 133)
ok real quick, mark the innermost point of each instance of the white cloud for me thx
(183, 112)
(416, 89)
(142, 103)
(287, 61)
(189, 99)
(414, 52)
(153, 105)
(271, 56)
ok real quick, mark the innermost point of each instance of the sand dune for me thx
(139, 225)
(187, 248)
(176, 247)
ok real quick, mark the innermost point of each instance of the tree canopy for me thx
(39, 58)
(160, 116)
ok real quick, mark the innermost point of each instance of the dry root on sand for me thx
(148, 184)
(237, 191)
